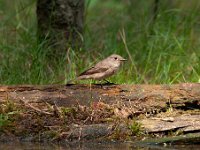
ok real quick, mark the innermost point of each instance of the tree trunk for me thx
(155, 9)
(61, 22)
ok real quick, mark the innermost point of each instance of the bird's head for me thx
(116, 60)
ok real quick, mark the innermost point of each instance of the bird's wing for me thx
(94, 70)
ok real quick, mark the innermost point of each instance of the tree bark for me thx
(61, 21)
(155, 9)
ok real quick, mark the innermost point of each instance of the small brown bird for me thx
(102, 69)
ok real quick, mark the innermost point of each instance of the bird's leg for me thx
(99, 84)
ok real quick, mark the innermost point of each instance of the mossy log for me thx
(163, 108)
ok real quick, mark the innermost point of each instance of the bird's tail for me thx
(70, 82)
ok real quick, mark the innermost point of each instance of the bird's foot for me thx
(108, 82)
(104, 85)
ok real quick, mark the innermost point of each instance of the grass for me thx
(164, 51)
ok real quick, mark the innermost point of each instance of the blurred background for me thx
(161, 42)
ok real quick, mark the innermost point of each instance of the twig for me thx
(36, 109)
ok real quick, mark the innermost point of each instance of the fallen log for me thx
(92, 108)
(139, 97)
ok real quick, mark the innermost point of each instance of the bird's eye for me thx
(115, 58)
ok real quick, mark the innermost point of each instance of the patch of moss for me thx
(68, 110)
(4, 120)
(8, 112)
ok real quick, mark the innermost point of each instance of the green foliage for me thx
(4, 120)
(135, 128)
(8, 113)
(166, 50)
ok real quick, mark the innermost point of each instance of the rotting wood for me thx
(126, 101)
(184, 123)
(138, 97)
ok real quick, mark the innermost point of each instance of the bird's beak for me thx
(122, 59)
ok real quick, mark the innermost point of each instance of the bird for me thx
(103, 69)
